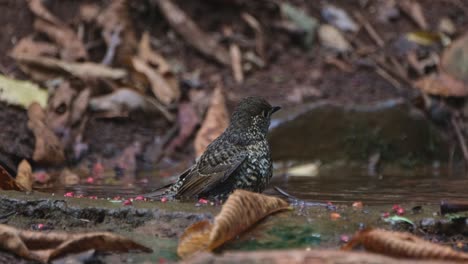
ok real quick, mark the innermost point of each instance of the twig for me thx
(384, 74)
(259, 35)
(112, 41)
(460, 138)
(369, 29)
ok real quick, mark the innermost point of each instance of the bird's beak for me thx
(275, 109)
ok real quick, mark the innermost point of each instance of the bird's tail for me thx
(159, 193)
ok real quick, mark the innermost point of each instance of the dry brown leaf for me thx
(190, 31)
(240, 212)
(160, 87)
(28, 45)
(58, 108)
(216, 121)
(72, 49)
(301, 256)
(187, 120)
(454, 59)
(124, 100)
(82, 70)
(153, 58)
(145, 52)
(41, 11)
(442, 84)
(24, 177)
(89, 12)
(48, 148)
(7, 182)
(403, 245)
(259, 35)
(414, 10)
(69, 178)
(45, 247)
(115, 22)
(236, 63)
(79, 106)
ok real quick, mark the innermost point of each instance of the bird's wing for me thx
(207, 177)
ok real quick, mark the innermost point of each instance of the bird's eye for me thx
(265, 113)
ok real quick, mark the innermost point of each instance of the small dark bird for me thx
(239, 158)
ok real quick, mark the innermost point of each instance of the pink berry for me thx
(90, 180)
(395, 207)
(69, 194)
(139, 198)
(386, 214)
(203, 201)
(164, 199)
(40, 226)
(400, 211)
(127, 202)
(344, 238)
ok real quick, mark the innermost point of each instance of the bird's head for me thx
(252, 116)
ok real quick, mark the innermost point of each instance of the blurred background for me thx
(115, 98)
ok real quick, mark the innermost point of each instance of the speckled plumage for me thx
(239, 158)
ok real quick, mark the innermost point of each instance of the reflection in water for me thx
(342, 184)
(349, 185)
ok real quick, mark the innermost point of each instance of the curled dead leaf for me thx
(58, 108)
(242, 210)
(187, 120)
(45, 247)
(454, 60)
(145, 52)
(216, 121)
(190, 31)
(403, 245)
(161, 88)
(48, 148)
(72, 49)
(125, 99)
(28, 45)
(79, 106)
(442, 84)
(82, 70)
(7, 182)
(117, 25)
(24, 177)
(41, 11)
